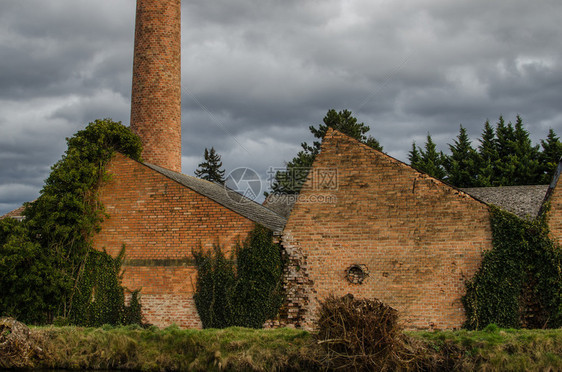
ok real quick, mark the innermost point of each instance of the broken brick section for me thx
(419, 238)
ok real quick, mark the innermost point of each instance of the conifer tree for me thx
(488, 155)
(526, 156)
(291, 180)
(414, 156)
(549, 157)
(210, 169)
(462, 164)
(430, 160)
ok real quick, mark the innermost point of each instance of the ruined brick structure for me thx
(156, 92)
(553, 206)
(160, 216)
(364, 215)
(364, 223)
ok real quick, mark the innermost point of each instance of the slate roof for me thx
(228, 198)
(523, 201)
(282, 204)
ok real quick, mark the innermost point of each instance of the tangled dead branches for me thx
(17, 348)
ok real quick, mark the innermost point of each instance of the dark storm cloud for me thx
(257, 74)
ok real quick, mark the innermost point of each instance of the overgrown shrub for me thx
(244, 290)
(214, 288)
(520, 280)
(358, 334)
(259, 269)
(46, 259)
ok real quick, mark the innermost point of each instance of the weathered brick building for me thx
(160, 216)
(364, 223)
(372, 226)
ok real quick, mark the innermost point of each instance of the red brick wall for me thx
(160, 222)
(156, 92)
(419, 238)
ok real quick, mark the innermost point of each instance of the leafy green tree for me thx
(43, 258)
(210, 169)
(462, 165)
(429, 159)
(550, 156)
(291, 180)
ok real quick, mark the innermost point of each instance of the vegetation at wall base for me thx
(243, 291)
(519, 283)
(237, 349)
(48, 268)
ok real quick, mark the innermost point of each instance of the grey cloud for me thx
(257, 74)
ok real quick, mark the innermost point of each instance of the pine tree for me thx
(462, 164)
(414, 156)
(429, 160)
(488, 155)
(526, 156)
(210, 169)
(549, 157)
(291, 180)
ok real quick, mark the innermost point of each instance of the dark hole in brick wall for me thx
(356, 274)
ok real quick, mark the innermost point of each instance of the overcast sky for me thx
(257, 73)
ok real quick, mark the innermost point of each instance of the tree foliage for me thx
(505, 157)
(428, 159)
(45, 260)
(290, 181)
(210, 169)
(243, 291)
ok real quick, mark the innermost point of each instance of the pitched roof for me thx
(523, 201)
(281, 203)
(227, 198)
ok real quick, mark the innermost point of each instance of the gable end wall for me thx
(419, 238)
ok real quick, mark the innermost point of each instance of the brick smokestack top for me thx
(156, 94)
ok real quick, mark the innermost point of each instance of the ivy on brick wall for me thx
(243, 291)
(519, 283)
(48, 268)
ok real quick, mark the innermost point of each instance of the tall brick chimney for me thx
(156, 94)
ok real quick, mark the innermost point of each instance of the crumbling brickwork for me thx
(156, 91)
(554, 207)
(160, 221)
(418, 238)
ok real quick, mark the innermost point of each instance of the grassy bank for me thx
(496, 349)
(283, 349)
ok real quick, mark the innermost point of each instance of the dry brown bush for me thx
(17, 347)
(358, 334)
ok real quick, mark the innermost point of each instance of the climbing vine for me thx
(243, 291)
(48, 267)
(519, 283)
